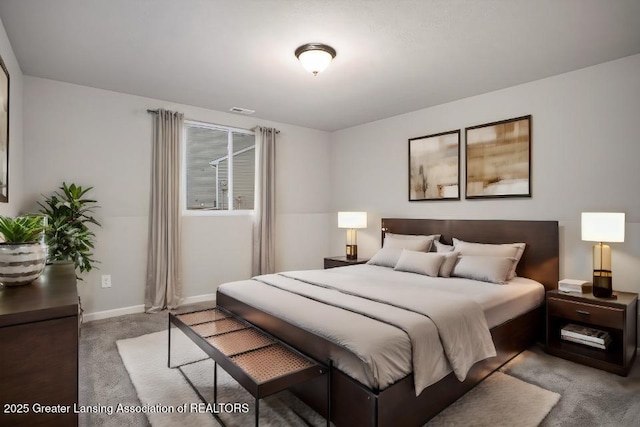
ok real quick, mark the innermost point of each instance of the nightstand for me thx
(618, 317)
(341, 261)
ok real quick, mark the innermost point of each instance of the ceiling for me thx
(393, 56)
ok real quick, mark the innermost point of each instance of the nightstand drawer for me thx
(589, 313)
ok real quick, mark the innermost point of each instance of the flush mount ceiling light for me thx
(315, 57)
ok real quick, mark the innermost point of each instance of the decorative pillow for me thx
(386, 257)
(511, 250)
(411, 242)
(424, 263)
(448, 263)
(492, 269)
(442, 248)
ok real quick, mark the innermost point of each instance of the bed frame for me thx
(353, 404)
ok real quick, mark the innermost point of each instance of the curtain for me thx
(264, 225)
(164, 287)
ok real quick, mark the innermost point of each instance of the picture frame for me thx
(4, 132)
(498, 159)
(434, 167)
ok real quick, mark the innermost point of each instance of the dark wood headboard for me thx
(539, 262)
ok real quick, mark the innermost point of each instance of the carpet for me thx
(590, 397)
(500, 400)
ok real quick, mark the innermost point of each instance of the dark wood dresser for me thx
(39, 351)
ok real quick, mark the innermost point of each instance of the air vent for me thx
(241, 110)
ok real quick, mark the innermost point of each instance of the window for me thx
(220, 167)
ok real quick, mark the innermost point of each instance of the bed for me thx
(362, 398)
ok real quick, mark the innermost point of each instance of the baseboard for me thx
(98, 315)
(199, 298)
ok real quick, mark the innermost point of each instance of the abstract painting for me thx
(498, 159)
(434, 167)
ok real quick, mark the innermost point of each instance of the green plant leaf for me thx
(22, 229)
(69, 213)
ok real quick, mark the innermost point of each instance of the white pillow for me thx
(448, 263)
(442, 248)
(406, 241)
(492, 269)
(424, 263)
(386, 257)
(510, 250)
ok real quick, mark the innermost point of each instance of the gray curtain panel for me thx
(264, 248)
(164, 283)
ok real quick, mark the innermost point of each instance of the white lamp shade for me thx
(603, 227)
(315, 61)
(352, 220)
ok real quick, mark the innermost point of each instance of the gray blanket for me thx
(460, 322)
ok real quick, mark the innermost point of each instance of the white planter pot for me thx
(21, 263)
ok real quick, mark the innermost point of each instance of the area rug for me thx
(167, 399)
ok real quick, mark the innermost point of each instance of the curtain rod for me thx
(156, 112)
(255, 127)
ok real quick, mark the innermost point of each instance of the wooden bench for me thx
(260, 363)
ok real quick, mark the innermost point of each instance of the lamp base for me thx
(352, 252)
(602, 284)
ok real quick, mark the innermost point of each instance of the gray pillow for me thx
(442, 248)
(512, 250)
(424, 263)
(412, 236)
(406, 241)
(386, 257)
(448, 263)
(492, 269)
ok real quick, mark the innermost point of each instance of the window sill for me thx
(206, 212)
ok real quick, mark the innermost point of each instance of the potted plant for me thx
(69, 213)
(22, 254)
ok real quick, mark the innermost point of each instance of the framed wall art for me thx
(434, 167)
(498, 159)
(4, 133)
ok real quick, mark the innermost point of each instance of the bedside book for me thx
(584, 333)
(587, 343)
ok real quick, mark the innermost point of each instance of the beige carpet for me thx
(500, 400)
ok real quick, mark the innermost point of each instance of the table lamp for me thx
(352, 221)
(602, 227)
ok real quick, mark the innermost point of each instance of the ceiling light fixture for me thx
(315, 57)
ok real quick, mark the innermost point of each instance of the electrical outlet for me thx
(106, 280)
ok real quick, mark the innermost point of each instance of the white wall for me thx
(103, 139)
(15, 128)
(585, 148)
(585, 153)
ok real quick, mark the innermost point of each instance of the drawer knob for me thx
(586, 313)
